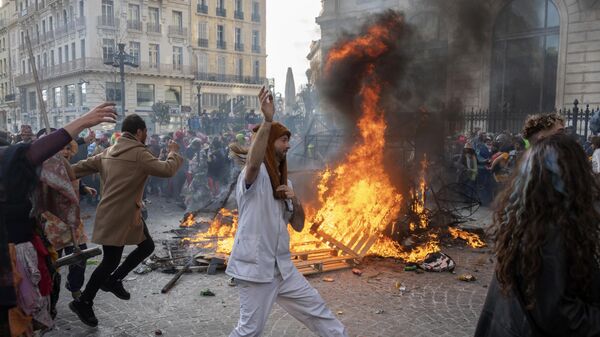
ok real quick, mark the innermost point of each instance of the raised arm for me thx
(159, 168)
(258, 148)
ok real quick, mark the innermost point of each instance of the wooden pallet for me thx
(321, 260)
(358, 246)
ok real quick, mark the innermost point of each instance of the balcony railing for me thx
(152, 27)
(177, 31)
(256, 49)
(203, 43)
(255, 17)
(238, 15)
(134, 25)
(221, 45)
(221, 12)
(10, 97)
(97, 64)
(108, 22)
(202, 9)
(239, 47)
(212, 77)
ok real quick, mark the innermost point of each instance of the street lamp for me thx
(120, 60)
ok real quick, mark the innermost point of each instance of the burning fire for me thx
(188, 222)
(357, 196)
(472, 239)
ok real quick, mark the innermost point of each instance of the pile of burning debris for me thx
(358, 211)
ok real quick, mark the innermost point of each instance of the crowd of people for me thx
(545, 233)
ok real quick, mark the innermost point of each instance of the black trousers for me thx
(109, 269)
(76, 275)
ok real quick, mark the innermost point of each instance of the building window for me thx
(154, 20)
(255, 41)
(239, 10)
(239, 45)
(59, 55)
(203, 34)
(145, 95)
(57, 98)
(73, 53)
(221, 37)
(71, 95)
(45, 95)
(221, 11)
(178, 19)
(256, 70)
(67, 53)
(82, 93)
(32, 100)
(240, 69)
(154, 57)
(52, 57)
(173, 95)
(113, 92)
(45, 60)
(525, 57)
(108, 49)
(203, 63)
(221, 69)
(134, 51)
(133, 17)
(108, 16)
(82, 48)
(255, 11)
(177, 58)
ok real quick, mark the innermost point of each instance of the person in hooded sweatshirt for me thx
(124, 169)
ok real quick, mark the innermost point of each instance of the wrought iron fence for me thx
(576, 117)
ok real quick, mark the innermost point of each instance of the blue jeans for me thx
(76, 274)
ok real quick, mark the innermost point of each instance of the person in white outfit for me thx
(260, 259)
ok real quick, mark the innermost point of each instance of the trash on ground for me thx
(142, 269)
(328, 279)
(438, 262)
(467, 278)
(357, 271)
(207, 292)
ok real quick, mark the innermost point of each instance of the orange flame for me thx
(188, 222)
(472, 239)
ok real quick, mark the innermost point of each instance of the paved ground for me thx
(370, 305)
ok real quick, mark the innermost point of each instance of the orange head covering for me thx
(277, 173)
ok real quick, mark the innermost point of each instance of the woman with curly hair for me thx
(547, 233)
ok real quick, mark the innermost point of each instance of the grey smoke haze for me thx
(413, 71)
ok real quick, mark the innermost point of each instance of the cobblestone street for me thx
(433, 304)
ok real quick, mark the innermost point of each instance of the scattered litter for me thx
(340, 312)
(438, 262)
(91, 262)
(357, 271)
(328, 279)
(410, 268)
(207, 292)
(232, 282)
(132, 278)
(380, 311)
(467, 278)
(142, 269)
(400, 286)
(158, 332)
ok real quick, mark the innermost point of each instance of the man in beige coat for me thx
(124, 169)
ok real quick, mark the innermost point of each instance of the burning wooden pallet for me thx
(321, 260)
(357, 247)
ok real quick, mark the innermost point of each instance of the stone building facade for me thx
(74, 43)
(538, 55)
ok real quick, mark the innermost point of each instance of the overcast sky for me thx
(290, 28)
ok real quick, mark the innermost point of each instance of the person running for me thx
(260, 260)
(124, 169)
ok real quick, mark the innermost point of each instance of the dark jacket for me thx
(558, 311)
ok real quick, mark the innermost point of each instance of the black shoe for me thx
(116, 287)
(84, 310)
